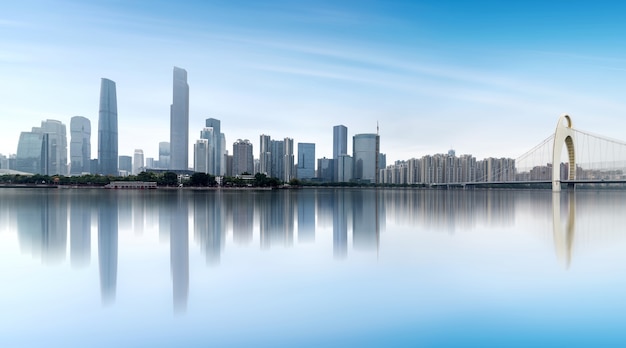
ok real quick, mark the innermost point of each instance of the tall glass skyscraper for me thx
(306, 161)
(31, 151)
(179, 121)
(365, 149)
(340, 147)
(340, 141)
(265, 155)
(288, 164)
(57, 146)
(164, 155)
(107, 129)
(80, 145)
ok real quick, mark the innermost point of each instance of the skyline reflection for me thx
(341, 219)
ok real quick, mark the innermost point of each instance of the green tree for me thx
(169, 179)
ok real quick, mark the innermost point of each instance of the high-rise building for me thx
(306, 161)
(57, 146)
(138, 165)
(125, 165)
(164, 155)
(80, 145)
(340, 141)
(43, 150)
(201, 156)
(265, 155)
(218, 142)
(31, 151)
(365, 149)
(340, 146)
(149, 162)
(243, 162)
(344, 166)
(277, 154)
(325, 170)
(288, 165)
(107, 129)
(179, 121)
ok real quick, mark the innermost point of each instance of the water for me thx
(309, 267)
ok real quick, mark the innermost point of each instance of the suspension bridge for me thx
(567, 157)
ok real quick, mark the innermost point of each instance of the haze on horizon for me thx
(485, 78)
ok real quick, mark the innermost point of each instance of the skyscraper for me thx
(288, 160)
(277, 155)
(30, 153)
(306, 161)
(107, 129)
(365, 149)
(340, 141)
(340, 146)
(216, 157)
(138, 165)
(201, 156)
(57, 146)
(164, 155)
(265, 155)
(243, 161)
(80, 145)
(125, 165)
(179, 121)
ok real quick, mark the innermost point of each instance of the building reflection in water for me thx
(341, 200)
(42, 224)
(365, 220)
(107, 245)
(179, 249)
(81, 206)
(276, 218)
(306, 216)
(209, 229)
(242, 216)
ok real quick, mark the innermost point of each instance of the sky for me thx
(488, 78)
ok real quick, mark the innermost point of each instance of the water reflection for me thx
(357, 219)
(564, 228)
(179, 250)
(107, 245)
(42, 224)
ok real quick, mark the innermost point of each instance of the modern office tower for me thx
(80, 145)
(138, 165)
(340, 141)
(224, 154)
(217, 144)
(107, 129)
(340, 146)
(31, 153)
(149, 163)
(201, 156)
(265, 155)
(365, 149)
(288, 164)
(243, 162)
(57, 146)
(345, 166)
(179, 121)
(306, 161)
(277, 151)
(125, 165)
(325, 169)
(164, 155)
(229, 164)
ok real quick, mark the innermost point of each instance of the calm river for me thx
(312, 267)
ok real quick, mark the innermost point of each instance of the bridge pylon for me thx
(564, 134)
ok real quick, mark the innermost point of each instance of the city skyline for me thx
(437, 76)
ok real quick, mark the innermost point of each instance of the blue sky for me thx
(488, 78)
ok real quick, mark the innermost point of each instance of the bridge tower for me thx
(564, 134)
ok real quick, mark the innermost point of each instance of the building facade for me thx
(365, 149)
(107, 129)
(306, 161)
(243, 161)
(80, 145)
(138, 165)
(179, 121)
